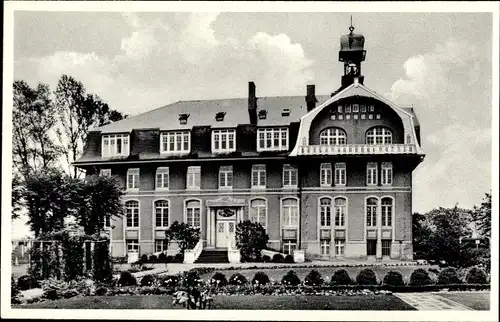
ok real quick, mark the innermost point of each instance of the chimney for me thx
(252, 103)
(311, 98)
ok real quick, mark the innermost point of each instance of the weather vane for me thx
(351, 28)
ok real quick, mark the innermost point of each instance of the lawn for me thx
(475, 300)
(244, 302)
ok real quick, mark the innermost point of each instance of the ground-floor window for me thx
(289, 246)
(339, 247)
(386, 247)
(325, 247)
(371, 247)
(132, 246)
(161, 245)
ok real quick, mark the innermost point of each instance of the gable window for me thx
(272, 139)
(258, 212)
(371, 212)
(132, 211)
(223, 141)
(379, 135)
(348, 108)
(105, 173)
(193, 177)
(355, 108)
(386, 173)
(258, 176)
(340, 211)
(193, 213)
(332, 136)
(326, 174)
(172, 142)
(161, 213)
(387, 212)
(115, 145)
(325, 212)
(289, 176)
(162, 178)
(226, 177)
(371, 173)
(132, 179)
(290, 212)
(340, 174)
(363, 108)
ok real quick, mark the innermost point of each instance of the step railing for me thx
(191, 255)
(233, 253)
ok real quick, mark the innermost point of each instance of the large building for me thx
(330, 175)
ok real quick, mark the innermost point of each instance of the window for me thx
(183, 118)
(272, 139)
(325, 247)
(223, 141)
(408, 139)
(339, 247)
(132, 211)
(161, 245)
(341, 116)
(371, 247)
(107, 222)
(132, 245)
(258, 212)
(161, 213)
(372, 108)
(355, 108)
(340, 109)
(172, 142)
(132, 179)
(105, 173)
(262, 114)
(162, 176)
(226, 177)
(386, 248)
(348, 108)
(326, 174)
(289, 246)
(377, 116)
(356, 116)
(258, 176)
(363, 116)
(348, 117)
(193, 177)
(379, 135)
(332, 136)
(289, 176)
(340, 211)
(193, 213)
(371, 173)
(325, 212)
(387, 212)
(370, 116)
(386, 173)
(115, 145)
(363, 108)
(340, 174)
(219, 116)
(371, 212)
(290, 212)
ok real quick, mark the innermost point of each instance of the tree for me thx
(251, 239)
(421, 232)
(186, 236)
(482, 217)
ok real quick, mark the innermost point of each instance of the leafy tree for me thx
(421, 231)
(251, 239)
(186, 236)
(482, 217)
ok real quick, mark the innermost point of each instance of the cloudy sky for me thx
(439, 63)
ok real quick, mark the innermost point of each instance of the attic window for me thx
(285, 112)
(219, 116)
(262, 114)
(183, 118)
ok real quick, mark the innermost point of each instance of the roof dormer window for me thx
(262, 114)
(183, 118)
(219, 116)
(115, 145)
(175, 142)
(285, 112)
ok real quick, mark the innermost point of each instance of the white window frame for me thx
(387, 211)
(107, 222)
(340, 174)
(133, 179)
(325, 212)
(272, 139)
(387, 173)
(109, 145)
(289, 246)
(105, 173)
(340, 211)
(290, 172)
(161, 243)
(325, 175)
(384, 242)
(132, 245)
(258, 211)
(193, 176)
(371, 220)
(162, 176)
(333, 136)
(188, 208)
(171, 141)
(325, 246)
(259, 176)
(378, 136)
(134, 214)
(226, 177)
(371, 174)
(290, 217)
(165, 212)
(226, 136)
(339, 247)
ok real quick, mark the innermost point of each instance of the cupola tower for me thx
(352, 53)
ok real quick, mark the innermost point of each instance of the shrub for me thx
(251, 239)
(101, 291)
(169, 281)
(219, 279)
(170, 259)
(314, 278)
(191, 279)
(290, 278)
(148, 280)
(14, 291)
(266, 258)
(153, 258)
(289, 259)
(366, 277)
(448, 276)
(393, 278)
(260, 278)
(237, 279)
(476, 275)
(179, 258)
(420, 277)
(26, 282)
(162, 258)
(127, 279)
(341, 277)
(278, 258)
(102, 267)
(144, 258)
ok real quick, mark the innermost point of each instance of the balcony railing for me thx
(357, 149)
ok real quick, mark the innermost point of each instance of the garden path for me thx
(430, 302)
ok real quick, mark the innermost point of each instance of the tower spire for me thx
(351, 28)
(352, 54)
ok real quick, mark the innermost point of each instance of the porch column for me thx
(208, 227)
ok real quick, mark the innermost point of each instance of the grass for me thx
(475, 300)
(246, 302)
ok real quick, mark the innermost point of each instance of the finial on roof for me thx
(351, 28)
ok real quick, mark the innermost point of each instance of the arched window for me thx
(325, 212)
(193, 213)
(386, 212)
(290, 212)
(408, 139)
(132, 210)
(332, 136)
(340, 211)
(258, 211)
(371, 212)
(161, 213)
(379, 135)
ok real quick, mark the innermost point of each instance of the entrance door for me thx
(371, 247)
(225, 233)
